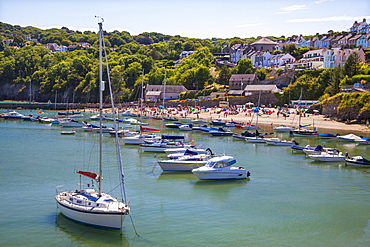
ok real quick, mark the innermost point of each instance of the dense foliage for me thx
(157, 55)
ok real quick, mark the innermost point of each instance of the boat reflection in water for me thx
(89, 235)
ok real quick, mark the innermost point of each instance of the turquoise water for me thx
(288, 201)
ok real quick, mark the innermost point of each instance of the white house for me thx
(254, 89)
(279, 60)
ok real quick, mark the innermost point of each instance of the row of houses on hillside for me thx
(324, 41)
(326, 58)
(239, 85)
(260, 51)
(360, 27)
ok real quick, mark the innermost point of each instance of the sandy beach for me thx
(319, 121)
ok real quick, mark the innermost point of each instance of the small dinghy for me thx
(68, 132)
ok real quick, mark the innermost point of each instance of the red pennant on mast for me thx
(89, 174)
(147, 129)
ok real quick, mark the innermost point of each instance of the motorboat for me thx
(134, 121)
(27, 118)
(122, 133)
(279, 142)
(328, 157)
(128, 113)
(208, 129)
(174, 125)
(199, 121)
(357, 161)
(93, 128)
(255, 139)
(349, 137)
(299, 149)
(200, 127)
(68, 113)
(243, 135)
(12, 115)
(97, 117)
(326, 136)
(221, 132)
(258, 137)
(218, 122)
(365, 141)
(140, 139)
(160, 146)
(71, 123)
(174, 153)
(184, 163)
(48, 120)
(170, 119)
(318, 149)
(186, 127)
(283, 128)
(220, 168)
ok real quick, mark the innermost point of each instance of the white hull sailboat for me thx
(87, 205)
(103, 211)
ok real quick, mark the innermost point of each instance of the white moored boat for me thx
(140, 139)
(71, 123)
(255, 139)
(278, 142)
(325, 156)
(184, 163)
(349, 138)
(90, 206)
(159, 147)
(283, 128)
(12, 115)
(220, 168)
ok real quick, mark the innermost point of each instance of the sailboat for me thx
(301, 131)
(258, 137)
(141, 137)
(87, 205)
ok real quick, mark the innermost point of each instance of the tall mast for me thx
(164, 92)
(142, 93)
(299, 110)
(30, 93)
(101, 89)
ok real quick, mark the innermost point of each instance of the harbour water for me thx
(289, 200)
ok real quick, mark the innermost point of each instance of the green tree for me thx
(351, 67)
(244, 66)
(224, 76)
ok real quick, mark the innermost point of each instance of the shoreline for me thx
(273, 120)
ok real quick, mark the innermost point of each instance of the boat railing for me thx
(59, 189)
